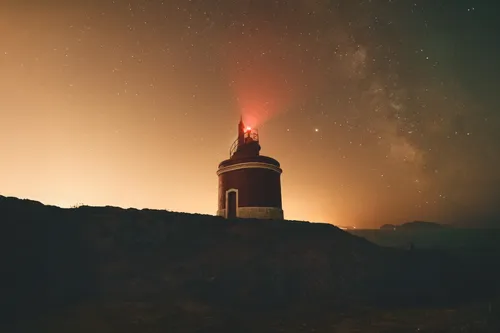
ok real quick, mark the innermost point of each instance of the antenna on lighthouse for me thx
(241, 132)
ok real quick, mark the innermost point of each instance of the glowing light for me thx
(249, 128)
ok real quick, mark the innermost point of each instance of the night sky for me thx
(378, 111)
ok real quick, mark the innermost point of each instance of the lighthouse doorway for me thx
(232, 204)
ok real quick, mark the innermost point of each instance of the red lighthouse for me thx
(249, 183)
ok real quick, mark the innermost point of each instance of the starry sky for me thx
(379, 111)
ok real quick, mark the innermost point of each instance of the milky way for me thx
(379, 111)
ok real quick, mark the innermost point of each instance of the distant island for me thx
(415, 225)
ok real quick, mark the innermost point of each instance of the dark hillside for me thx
(149, 271)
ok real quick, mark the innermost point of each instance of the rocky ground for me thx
(114, 270)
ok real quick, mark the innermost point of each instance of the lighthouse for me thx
(249, 183)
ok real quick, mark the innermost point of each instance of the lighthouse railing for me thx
(249, 136)
(233, 148)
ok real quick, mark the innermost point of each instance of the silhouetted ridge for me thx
(110, 256)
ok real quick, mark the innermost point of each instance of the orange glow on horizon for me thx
(98, 108)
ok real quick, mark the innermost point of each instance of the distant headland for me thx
(415, 225)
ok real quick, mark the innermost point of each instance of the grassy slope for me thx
(114, 270)
(478, 248)
(455, 239)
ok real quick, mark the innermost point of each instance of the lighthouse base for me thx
(264, 213)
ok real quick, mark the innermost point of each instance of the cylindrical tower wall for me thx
(256, 185)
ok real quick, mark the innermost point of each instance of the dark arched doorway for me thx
(231, 204)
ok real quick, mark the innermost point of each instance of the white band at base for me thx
(265, 213)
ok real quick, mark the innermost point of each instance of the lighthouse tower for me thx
(249, 183)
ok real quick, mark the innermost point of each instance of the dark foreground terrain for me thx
(114, 270)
